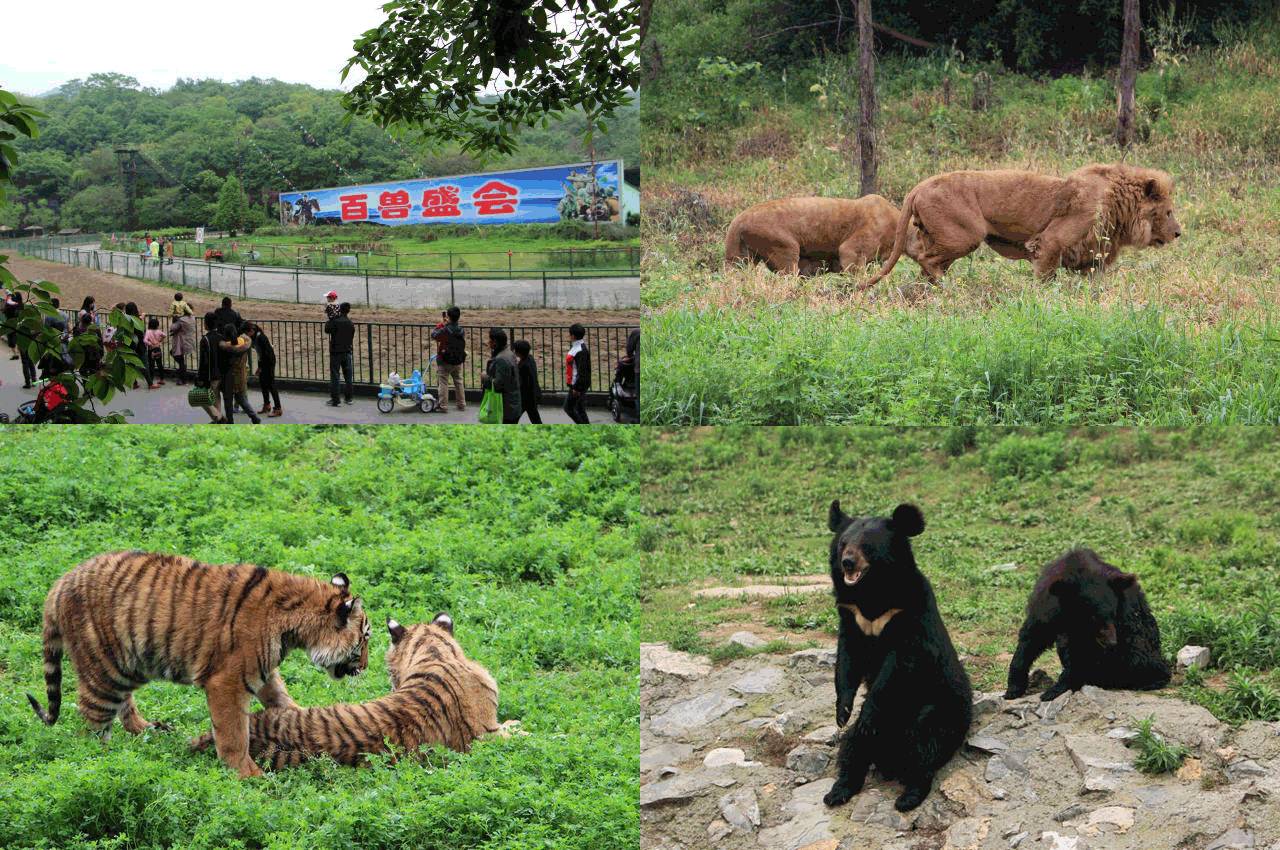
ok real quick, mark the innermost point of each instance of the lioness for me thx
(801, 235)
(1070, 221)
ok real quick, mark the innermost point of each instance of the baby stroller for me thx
(624, 394)
(405, 393)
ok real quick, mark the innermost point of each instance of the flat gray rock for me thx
(1194, 656)
(821, 657)
(809, 759)
(1232, 839)
(747, 640)
(661, 755)
(658, 659)
(690, 714)
(762, 680)
(741, 809)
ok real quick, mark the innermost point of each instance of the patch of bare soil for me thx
(108, 289)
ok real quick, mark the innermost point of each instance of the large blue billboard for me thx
(528, 196)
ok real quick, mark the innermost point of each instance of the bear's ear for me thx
(1153, 189)
(835, 517)
(1123, 582)
(907, 520)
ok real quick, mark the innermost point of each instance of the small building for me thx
(68, 231)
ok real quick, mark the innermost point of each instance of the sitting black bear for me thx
(918, 704)
(1099, 618)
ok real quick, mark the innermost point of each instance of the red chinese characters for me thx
(496, 198)
(440, 202)
(394, 204)
(354, 207)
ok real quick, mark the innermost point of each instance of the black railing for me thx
(302, 350)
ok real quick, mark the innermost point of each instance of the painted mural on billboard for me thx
(581, 192)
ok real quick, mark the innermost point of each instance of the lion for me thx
(805, 235)
(1073, 222)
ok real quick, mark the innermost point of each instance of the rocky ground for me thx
(740, 756)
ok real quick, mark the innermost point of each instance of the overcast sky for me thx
(47, 43)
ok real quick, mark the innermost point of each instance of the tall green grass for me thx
(524, 538)
(1022, 362)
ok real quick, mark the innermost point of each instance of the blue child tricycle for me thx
(405, 393)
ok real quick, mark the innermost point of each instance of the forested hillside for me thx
(272, 135)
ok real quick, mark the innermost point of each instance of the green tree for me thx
(117, 368)
(96, 208)
(431, 62)
(232, 212)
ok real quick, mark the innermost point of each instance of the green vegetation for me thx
(232, 210)
(274, 136)
(1155, 754)
(523, 538)
(568, 245)
(1180, 335)
(1193, 512)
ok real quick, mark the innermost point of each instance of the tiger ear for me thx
(444, 621)
(349, 606)
(341, 580)
(397, 631)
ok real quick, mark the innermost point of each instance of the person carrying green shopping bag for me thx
(501, 382)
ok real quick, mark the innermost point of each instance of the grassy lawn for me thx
(1181, 335)
(1192, 512)
(382, 249)
(523, 538)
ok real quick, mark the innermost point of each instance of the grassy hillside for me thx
(523, 538)
(1181, 335)
(1192, 512)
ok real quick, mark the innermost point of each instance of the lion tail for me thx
(899, 240)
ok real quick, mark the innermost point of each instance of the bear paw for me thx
(840, 794)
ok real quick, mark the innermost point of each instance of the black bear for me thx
(918, 704)
(1099, 618)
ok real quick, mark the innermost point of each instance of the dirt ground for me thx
(75, 283)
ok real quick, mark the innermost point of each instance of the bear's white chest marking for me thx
(871, 628)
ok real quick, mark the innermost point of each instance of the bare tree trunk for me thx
(867, 98)
(1128, 73)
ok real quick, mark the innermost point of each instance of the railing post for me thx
(208, 264)
(544, 290)
(367, 302)
(453, 296)
(184, 272)
(242, 280)
(297, 287)
(369, 328)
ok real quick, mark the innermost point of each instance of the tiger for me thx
(438, 696)
(127, 618)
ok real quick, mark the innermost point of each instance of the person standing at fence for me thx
(266, 369)
(503, 374)
(208, 375)
(451, 342)
(88, 308)
(530, 392)
(577, 375)
(13, 312)
(139, 345)
(342, 333)
(153, 339)
(182, 334)
(235, 378)
(12, 307)
(225, 315)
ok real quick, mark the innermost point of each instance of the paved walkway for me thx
(168, 404)
(278, 283)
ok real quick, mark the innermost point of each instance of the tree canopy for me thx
(273, 136)
(430, 64)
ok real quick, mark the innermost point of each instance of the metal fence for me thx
(469, 290)
(560, 262)
(302, 351)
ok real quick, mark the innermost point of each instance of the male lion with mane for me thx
(1071, 222)
(804, 235)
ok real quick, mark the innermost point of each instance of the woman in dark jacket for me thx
(208, 375)
(530, 392)
(139, 347)
(266, 368)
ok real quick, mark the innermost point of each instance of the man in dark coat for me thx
(342, 334)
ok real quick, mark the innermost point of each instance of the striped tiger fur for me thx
(438, 696)
(127, 618)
